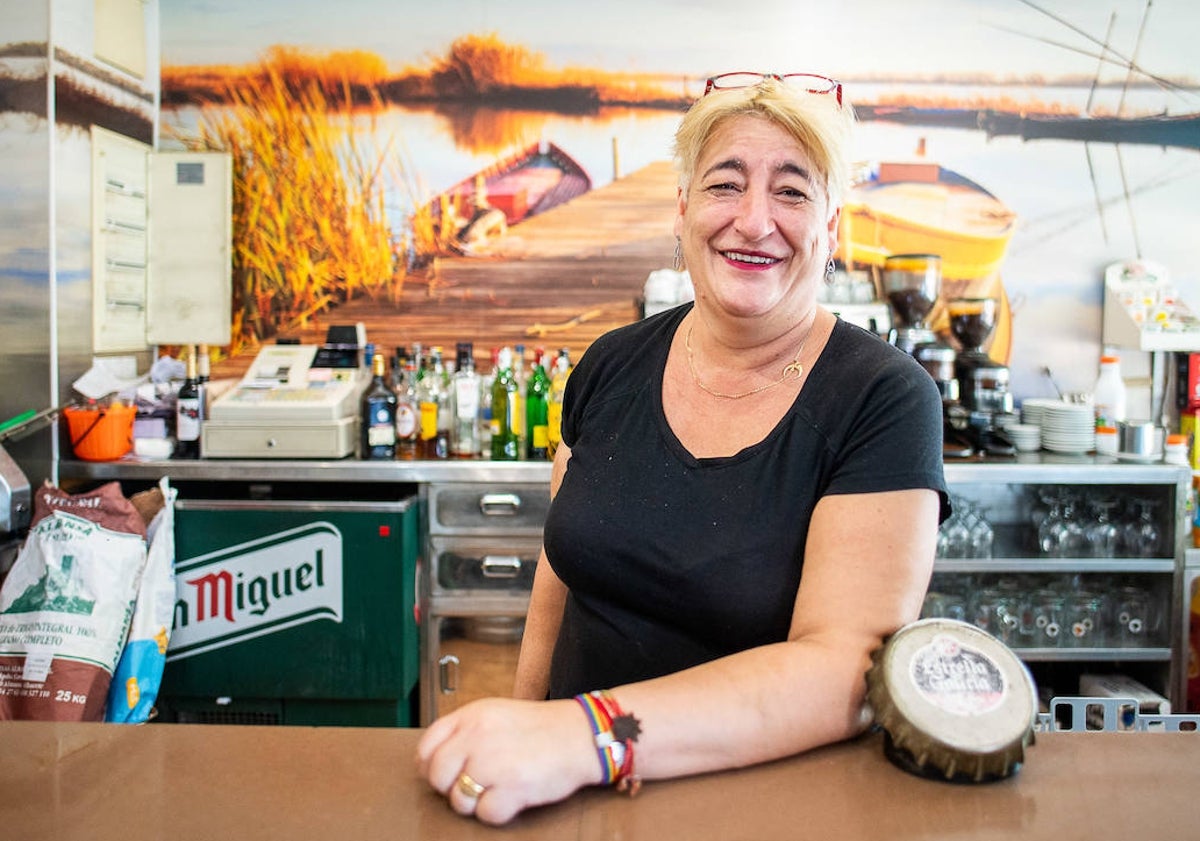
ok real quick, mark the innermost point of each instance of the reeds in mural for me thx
(310, 228)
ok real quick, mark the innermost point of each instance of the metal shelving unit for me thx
(1008, 494)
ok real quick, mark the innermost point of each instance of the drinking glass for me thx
(954, 537)
(1132, 617)
(1084, 620)
(1102, 534)
(1047, 526)
(1047, 608)
(981, 535)
(997, 611)
(941, 605)
(1067, 535)
(1141, 536)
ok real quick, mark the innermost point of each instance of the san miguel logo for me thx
(257, 588)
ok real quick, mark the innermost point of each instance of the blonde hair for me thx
(819, 124)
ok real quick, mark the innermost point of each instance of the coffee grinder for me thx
(911, 284)
(984, 396)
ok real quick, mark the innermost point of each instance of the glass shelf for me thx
(1112, 566)
(1087, 655)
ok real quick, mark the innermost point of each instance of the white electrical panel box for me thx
(161, 245)
(189, 290)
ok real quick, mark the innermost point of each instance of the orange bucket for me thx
(100, 433)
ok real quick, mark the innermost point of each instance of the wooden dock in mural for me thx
(559, 279)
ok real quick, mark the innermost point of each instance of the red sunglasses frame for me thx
(714, 82)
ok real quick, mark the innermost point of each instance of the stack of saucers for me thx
(1068, 427)
(1026, 437)
(1033, 409)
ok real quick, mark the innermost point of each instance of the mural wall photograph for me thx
(500, 172)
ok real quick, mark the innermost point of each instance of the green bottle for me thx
(537, 397)
(505, 405)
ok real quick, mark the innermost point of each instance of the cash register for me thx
(295, 401)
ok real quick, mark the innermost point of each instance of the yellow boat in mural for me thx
(920, 207)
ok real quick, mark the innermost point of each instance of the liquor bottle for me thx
(189, 412)
(554, 407)
(419, 359)
(427, 407)
(537, 393)
(518, 374)
(445, 411)
(377, 416)
(486, 381)
(464, 389)
(505, 440)
(408, 412)
(399, 361)
(433, 404)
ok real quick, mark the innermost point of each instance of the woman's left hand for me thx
(495, 757)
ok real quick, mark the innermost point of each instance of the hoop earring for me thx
(829, 270)
(678, 261)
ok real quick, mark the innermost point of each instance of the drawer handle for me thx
(448, 669)
(499, 505)
(501, 566)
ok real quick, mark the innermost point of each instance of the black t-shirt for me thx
(670, 560)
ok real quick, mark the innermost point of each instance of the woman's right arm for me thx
(545, 612)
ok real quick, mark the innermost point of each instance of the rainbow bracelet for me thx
(614, 733)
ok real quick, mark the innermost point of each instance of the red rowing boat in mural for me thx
(531, 181)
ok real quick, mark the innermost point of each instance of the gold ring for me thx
(468, 787)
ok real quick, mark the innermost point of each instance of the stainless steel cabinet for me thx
(1084, 569)
(482, 546)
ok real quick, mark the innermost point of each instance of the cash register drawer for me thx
(329, 439)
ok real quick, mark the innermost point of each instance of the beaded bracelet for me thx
(614, 732)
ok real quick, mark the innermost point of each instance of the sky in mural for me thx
(850, 37)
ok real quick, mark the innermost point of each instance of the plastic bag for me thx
(138, 676)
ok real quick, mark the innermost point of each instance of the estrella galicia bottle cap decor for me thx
(955, 703)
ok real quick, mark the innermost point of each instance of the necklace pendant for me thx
(793, 367)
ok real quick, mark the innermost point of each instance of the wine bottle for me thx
(189, 412)
(203, 365)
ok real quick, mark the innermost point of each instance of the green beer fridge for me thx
(293, 612)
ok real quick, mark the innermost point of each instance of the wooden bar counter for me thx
(173, 782)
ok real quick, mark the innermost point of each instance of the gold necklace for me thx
(793, 367)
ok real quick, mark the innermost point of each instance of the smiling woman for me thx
(746, 497)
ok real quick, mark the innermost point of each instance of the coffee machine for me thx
(984, 401)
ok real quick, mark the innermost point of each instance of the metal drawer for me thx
(518, 509)
(495, 567)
